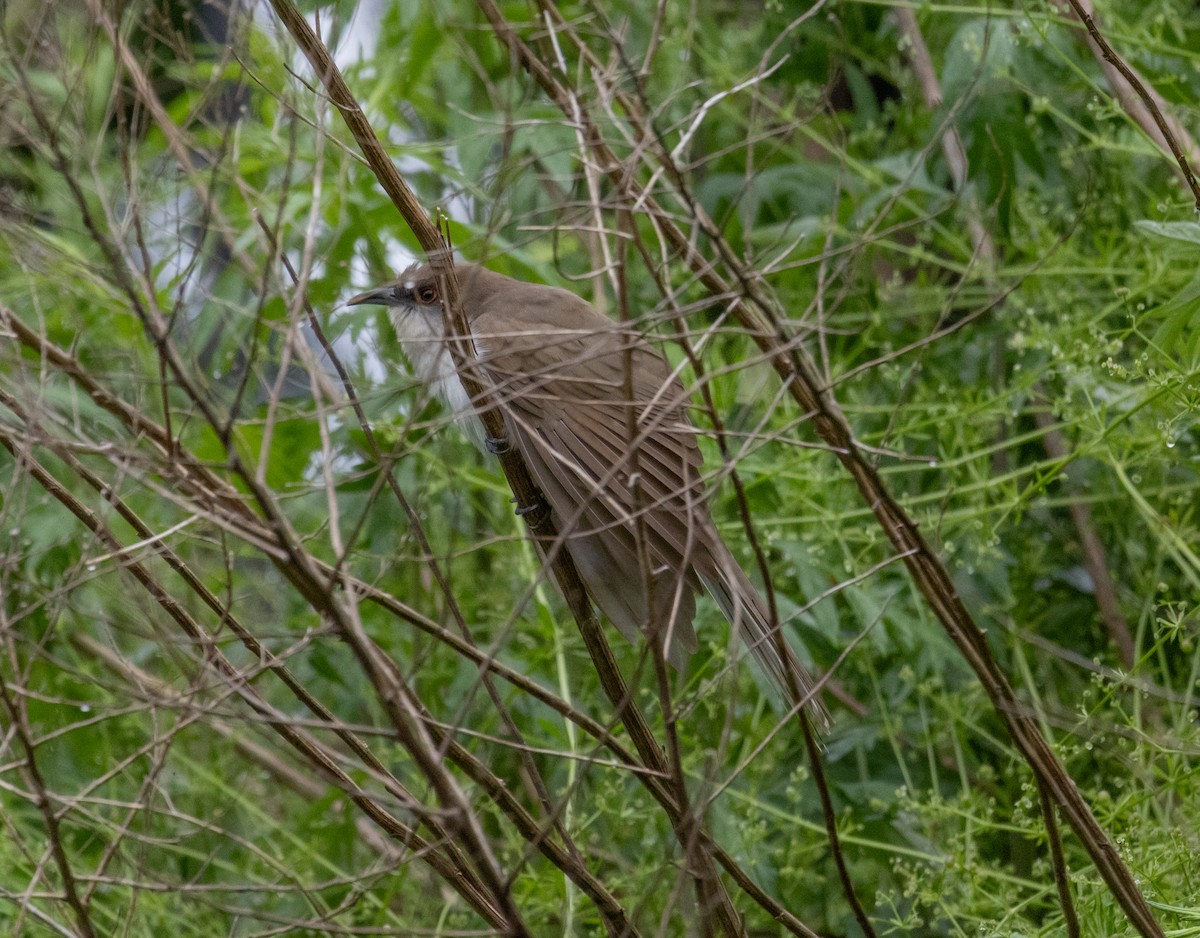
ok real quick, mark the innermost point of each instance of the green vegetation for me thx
(1019, 353)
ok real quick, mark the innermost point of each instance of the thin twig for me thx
(1148, 99)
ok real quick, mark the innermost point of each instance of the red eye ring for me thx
(427, 294)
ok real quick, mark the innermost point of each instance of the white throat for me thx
(420, 334)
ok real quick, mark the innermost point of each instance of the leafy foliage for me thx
(1034, 405)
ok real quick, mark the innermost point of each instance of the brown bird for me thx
(600, 419)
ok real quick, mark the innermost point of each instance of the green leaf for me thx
(1186, 231)
(1178, 337)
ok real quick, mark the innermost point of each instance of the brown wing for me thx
(587, 435)
(587, 431)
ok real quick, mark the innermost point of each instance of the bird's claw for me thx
(535, 513)
(497, 446)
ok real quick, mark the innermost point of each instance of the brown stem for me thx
(1094, 557)
(952, 144)
(1062, 881)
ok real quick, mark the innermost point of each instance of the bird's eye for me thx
(426, 293)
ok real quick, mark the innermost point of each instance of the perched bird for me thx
(600, 419)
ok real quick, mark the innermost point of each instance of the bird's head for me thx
(417, 290)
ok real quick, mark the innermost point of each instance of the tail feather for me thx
(750, 616)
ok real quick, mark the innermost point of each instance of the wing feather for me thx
(583, 439)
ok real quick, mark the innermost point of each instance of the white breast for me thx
(420, 334)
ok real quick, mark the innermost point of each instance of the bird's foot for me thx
(535, 514)
(497, 445)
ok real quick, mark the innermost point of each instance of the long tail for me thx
(750, 616)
